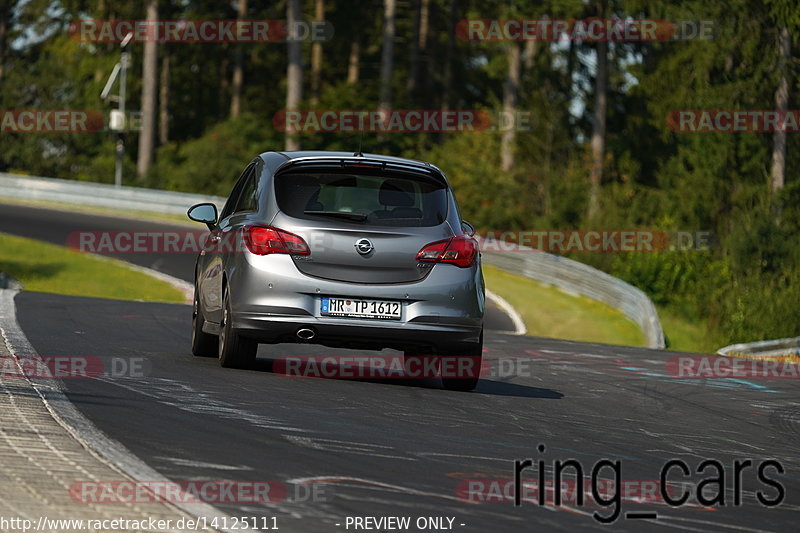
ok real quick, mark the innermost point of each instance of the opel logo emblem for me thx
(364, 246)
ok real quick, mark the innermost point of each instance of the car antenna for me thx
(359, 153)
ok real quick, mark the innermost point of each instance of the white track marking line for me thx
(519, 324)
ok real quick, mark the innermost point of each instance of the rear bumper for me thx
(352, 333)
(271, 300)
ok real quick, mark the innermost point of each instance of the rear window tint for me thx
(362, 198)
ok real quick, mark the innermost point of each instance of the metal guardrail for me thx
(569, 275)
(577, 278)
(100, 194)
(771, 348)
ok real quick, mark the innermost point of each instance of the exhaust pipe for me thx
(306, 334)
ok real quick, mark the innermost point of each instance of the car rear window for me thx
(364, 197)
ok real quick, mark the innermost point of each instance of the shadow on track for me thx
(502, 388)
(487, 387)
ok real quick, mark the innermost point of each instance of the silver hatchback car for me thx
(339, 249)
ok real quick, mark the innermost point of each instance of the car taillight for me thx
(460, 251)
(263, 240)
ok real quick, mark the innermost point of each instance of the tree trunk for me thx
(449, 57)
(598, 142)
(529, 55)
(4, 16)
(510, 102)
(163, 102)
(354, 62)
(413, 53)
(316, 54)
(419, 47)
(149, 85)
(294, 71)
(237, 79)
(424, 69)
(781, 105)
(387, 55)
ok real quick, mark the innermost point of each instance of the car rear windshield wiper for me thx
(357, 217)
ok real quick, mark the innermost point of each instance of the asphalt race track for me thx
(401, 447)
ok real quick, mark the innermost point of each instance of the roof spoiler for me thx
(364, 162)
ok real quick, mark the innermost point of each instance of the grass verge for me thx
(44, 267)
(548, 312)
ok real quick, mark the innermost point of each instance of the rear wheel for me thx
(203, 344)
(235, 351)
(461, 366)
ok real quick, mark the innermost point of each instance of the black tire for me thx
(235, 351)
(203, 344)
(449, 359)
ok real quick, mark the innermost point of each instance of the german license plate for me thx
(361, 308)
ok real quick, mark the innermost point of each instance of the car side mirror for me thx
(206, 213)
(468, 228)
